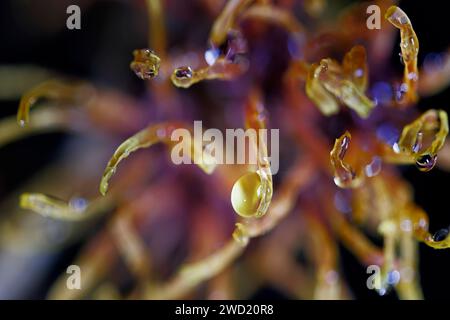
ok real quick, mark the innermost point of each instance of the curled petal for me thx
(331, 76)
(328, 81)
(355, 67)
(149, 136)
(432, 125)
(252, 193)
(51, 89)
(45, 120)
(77, 209)
(419, 221)
(344, 175)
(318, 94)
(409, 45)
(226, 21)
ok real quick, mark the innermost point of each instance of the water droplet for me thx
(246, 195)
(426, 162)
(440, 235)
(240, 234)
(183, 73)
(22, 123)
(346, 179)
(211, 55)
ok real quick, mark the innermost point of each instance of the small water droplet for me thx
(240, 234)
(396, 148)
(211, 55)
(22, 123)
(183, 73)
(426, 162)
(440, 235)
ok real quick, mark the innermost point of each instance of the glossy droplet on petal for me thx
(426, 162)
(344, 175)
(184, 77)
(246, 195)
(211, 55)
(183, 73)
(431, 125)
(145, 64)
(345, 180)
(240, 234)
(440, 235)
